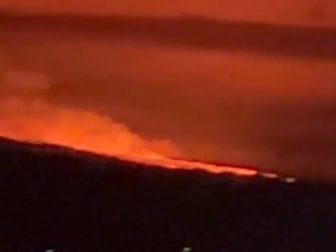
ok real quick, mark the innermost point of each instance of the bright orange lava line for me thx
(191, 165)
(83, 130)
(152, 158)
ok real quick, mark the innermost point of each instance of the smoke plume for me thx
(25, 115)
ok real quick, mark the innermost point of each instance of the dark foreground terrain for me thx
(73, 201)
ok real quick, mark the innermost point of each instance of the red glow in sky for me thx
(248, 107)
(284, 11)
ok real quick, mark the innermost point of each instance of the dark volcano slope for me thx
(75, 201)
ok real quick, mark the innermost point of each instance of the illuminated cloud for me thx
(32, 118)
(21, 83)
(285, 11)
(189, 32)
(272, 111)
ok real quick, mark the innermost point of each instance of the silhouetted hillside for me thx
(74, 201)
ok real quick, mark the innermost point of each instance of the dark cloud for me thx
(189, 31)
(170, 79)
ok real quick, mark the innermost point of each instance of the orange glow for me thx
(284, 11)
(34, 120)
(39, 122)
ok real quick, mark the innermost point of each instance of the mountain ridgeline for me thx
(72, 201)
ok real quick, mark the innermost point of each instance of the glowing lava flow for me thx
(38, 122)
(191, 165)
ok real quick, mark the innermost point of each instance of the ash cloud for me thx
(275, 112)
(26, 115)
(295, 41)
(24, 83)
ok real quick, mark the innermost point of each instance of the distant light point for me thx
(290, 180)
(186, 249)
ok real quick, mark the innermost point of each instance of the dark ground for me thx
(72, 201)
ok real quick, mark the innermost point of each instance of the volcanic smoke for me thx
(34, 120)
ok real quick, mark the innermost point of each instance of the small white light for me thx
(290, 180)
(186, 249)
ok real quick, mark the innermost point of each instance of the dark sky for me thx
(285, 11)
(246, 104)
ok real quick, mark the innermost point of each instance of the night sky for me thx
(286, 11)
(275, 110)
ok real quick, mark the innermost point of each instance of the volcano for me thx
(60, 199)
